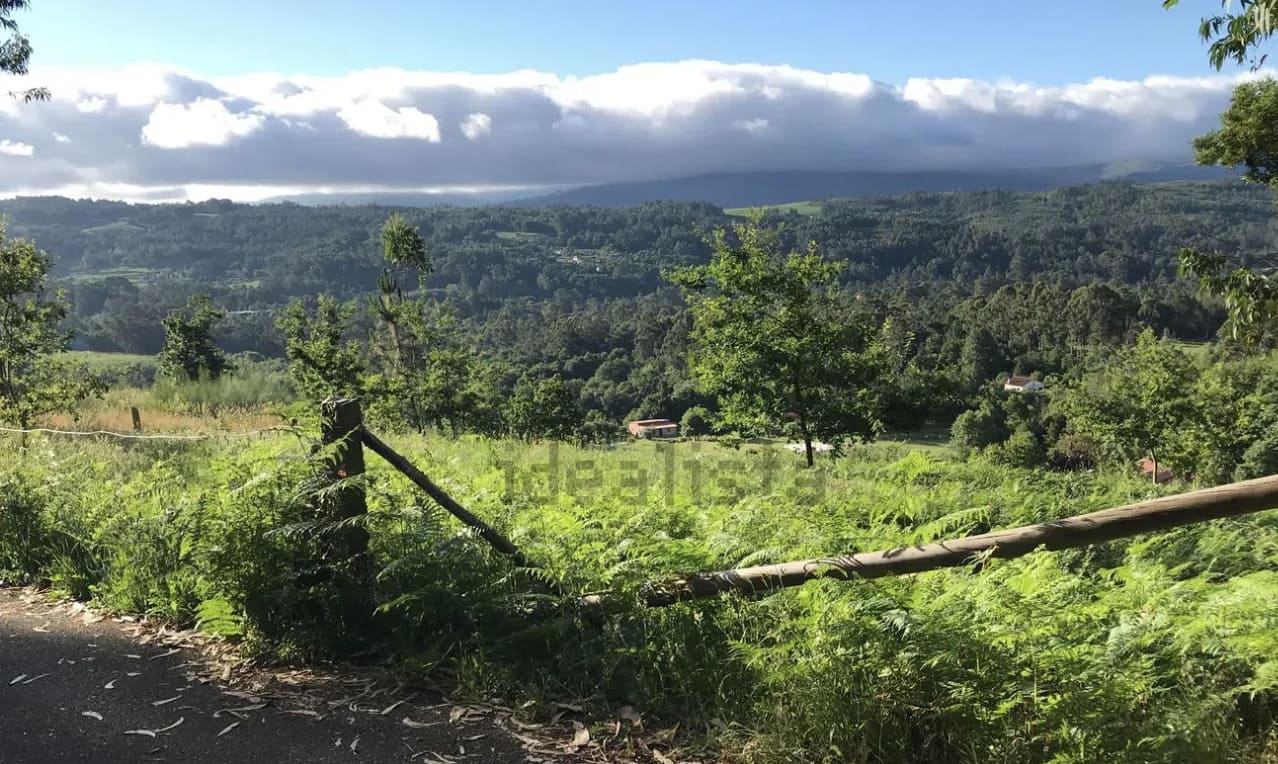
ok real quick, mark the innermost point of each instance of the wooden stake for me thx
(1081, 530)
(137, 418)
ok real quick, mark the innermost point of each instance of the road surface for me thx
(78, 687)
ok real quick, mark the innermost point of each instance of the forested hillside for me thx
(971, 283)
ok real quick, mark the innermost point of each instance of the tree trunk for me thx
(803, 424)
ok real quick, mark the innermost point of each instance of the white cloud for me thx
(15, 149)
(175, 131)
(206, 122)
(754, 126)
(61, 137)
(377, 120)
(476, 125)
(91, 105)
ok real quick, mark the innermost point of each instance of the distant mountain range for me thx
(750, 189)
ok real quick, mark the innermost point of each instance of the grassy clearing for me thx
(520, 236)
(255, 396)
(803, 208)
(1199, 351)
(1158, 649)
(109, 362)
(136, 275)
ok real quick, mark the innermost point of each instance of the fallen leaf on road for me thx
(42, 628)
(581, 736)
(17, 679)
(134, 673)
(312, 714)
(144, 733)
(417, 725)
(92, 715)
(355, 744)
(109, 685)
(174, 725)
(166, 700)
(392, 707)
(227, 729)
(174, 651)
(32, 679)
(133, 656)
(250, 697)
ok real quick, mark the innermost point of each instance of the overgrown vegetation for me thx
(1157, 649)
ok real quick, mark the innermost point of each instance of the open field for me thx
(109, 362)
(803, 208)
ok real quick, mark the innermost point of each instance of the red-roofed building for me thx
(1147, 467)
(1020, 384)
(653, 428)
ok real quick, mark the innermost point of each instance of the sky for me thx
(163, 100)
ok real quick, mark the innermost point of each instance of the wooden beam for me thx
(498, 541)
(1080, 530)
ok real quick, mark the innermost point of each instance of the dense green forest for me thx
(1028, 281)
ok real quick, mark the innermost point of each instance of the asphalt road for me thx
(75, 687)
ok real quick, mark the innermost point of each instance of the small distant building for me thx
(1019, 384)
(653, 428)
(817, 447)
(1147, 467)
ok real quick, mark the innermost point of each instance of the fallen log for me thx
(1080, 530)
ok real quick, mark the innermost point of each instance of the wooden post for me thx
(342, 420)
(137, 418)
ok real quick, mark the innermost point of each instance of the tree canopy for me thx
(15, 51)
(1235, 34)
(32, 381)
(776, 341)
(190, 350)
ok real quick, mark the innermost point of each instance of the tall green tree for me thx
(778, 342)
(32, 381)
(190, 350)
(543, 409)
(15, 51)
(321, 361)
(1140, 406)
(1248, 137)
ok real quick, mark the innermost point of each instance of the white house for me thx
(817, 447)
(1020, 384)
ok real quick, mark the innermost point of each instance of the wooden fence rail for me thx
(1080, 530)
(487, 532)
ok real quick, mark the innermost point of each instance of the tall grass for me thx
(249, 387)
(1163, 648)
